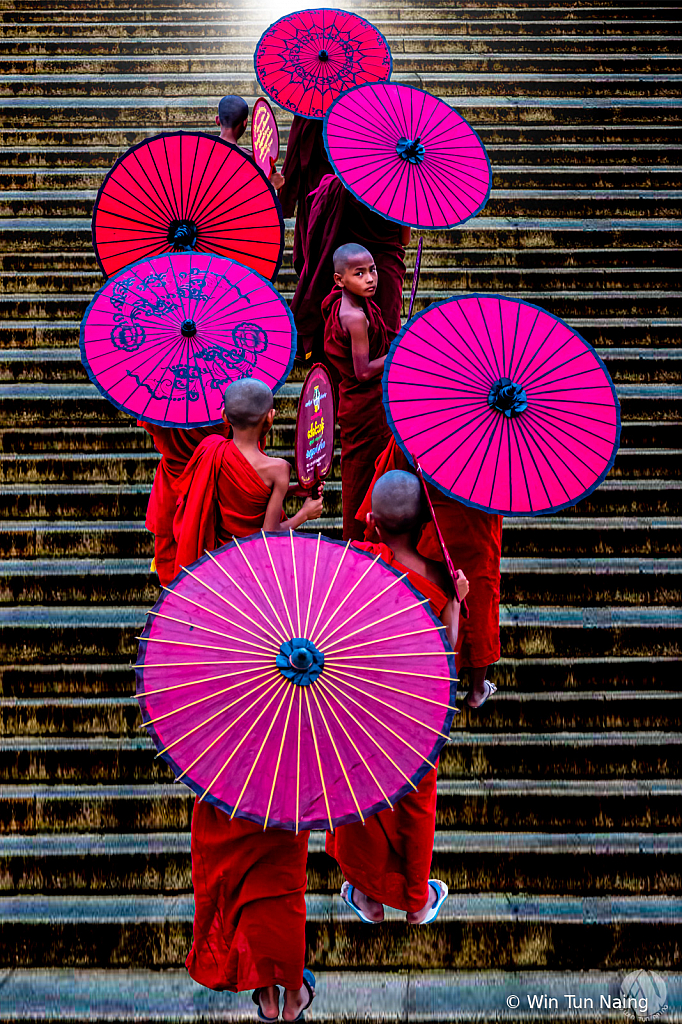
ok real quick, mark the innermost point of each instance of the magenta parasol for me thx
(187, 190)
(305, 60)
(407, 155)
(295, 681)
(505, 407)
(164, 338)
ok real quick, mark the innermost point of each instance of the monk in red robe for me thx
(176, 448)
(305, 165)
(355, 344)
(474, 541)
(336, 217)
(387, 860)
(249, 883)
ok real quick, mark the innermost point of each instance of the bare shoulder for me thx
(279, 468)
(352, 317)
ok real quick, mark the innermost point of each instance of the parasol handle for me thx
(454, 573)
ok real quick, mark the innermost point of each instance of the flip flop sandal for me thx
(256, 999)
(347, 891)
(309, 982)
(441, 891)
(491, 690)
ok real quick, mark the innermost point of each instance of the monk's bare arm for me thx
(364, 368)
(405, 234)
(311, 508)
(450, 619)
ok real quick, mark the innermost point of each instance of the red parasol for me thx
(407, 155)
(305, 60)
(186, 190)
(315, 424)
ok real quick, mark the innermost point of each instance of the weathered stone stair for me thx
(559, 815)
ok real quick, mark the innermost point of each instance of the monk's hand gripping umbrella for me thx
(296, 681)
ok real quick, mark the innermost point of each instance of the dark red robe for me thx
(305, 165)
(362, 420)
(388, 858)
(474, 541)
(249, 884)
(176, 447)
(335, 218)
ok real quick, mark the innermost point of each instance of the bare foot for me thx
(480, 694)
(369, 907)
(419, 916)
(294, 1001)
(268, 1000)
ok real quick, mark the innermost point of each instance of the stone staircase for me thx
(560, 811)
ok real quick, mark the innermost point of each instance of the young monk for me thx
(249, 883)
(232, 119)
(474, 541)
(336, 216)
(387, 859)
(356, 343)
(305, 165)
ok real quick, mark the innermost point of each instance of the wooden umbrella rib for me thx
(406, 693)
(321, 680)
(397, 711)
(270, 679)
(347, 595)
(216, 593)
(202, 700)
(387, 639)
(193, 682)
(355, 746)
(403, 672)
(312, 584)
(298, 754)
(338, 755)
(260, 751)
(188, 643)
(382, 723)
(279, 585)
(243, 739)
(333, 580)
(207, 629)
(325, 637)
(275, 679)
(279, 756)
(262, 589)
(384, 618)
(244, 594)
(319, 760)
(293, 563)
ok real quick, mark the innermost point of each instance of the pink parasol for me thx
(186, 190)
(296, 681)
(164, 338)
(315, 423)
(506, 408)
(264, 136)
(305, 60)
(407, 155)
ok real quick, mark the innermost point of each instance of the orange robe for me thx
(176, 448)
(389, 856)
(362, 420)
(249, 884)
(474, 541)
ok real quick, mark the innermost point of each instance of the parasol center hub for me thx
(323, 56)
(300, 661)
(508, 398)
(410, 150)
(182, 234)
(188, 328)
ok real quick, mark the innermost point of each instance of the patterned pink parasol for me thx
(295, 681)
(305, 60)
(164, 337)
(407, 155)
(504, 405)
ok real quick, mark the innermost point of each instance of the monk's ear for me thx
(338, 278)
(217, 120)
(225, 419)
(369, 519)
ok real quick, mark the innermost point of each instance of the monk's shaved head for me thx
(345, 253)
(247, 402)
(397, 502)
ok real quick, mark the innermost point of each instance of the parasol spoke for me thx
(338, 755)
(312, 583)
(277, 581)
(324, 638)
(329, 588)
(188, 643)
(260, 749)
(319, 760)
(244, 594)
(195, 682)
(406, 693)
(388, 639)
(279, 755)
(207, 629)
(298, 603)
(262, 588)
(210, 611)
(345, 597)
(403, 672)
(384, 618)
(298, 755)
(208, 696)
(397, 711)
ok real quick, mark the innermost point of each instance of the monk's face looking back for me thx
(358, 276)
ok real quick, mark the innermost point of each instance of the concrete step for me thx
(424, 996)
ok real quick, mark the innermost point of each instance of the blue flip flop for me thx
(261, 1016)
(309, 982)
(441, 891)
(347, 891)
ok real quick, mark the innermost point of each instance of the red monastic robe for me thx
(474, 541)
(176, 447)
(249, 884)
(335, 218)
(361, 416)
(389, 857)
(305, 165)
